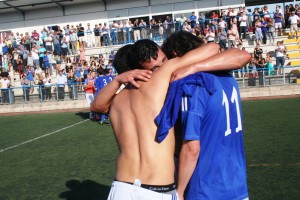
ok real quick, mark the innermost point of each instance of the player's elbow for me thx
(192, 149)
(214, 47)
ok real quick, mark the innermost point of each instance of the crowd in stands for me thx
(35, 57)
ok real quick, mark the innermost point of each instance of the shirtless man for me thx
(145, 169)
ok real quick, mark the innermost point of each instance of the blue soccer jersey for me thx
(101, 82)
(215, 119)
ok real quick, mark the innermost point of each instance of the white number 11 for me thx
(234, 99)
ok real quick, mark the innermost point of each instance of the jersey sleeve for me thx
(192, 112)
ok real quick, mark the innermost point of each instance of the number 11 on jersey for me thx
(234, 100)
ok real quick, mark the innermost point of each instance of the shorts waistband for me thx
(155, 188)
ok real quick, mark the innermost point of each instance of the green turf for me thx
(78, 163)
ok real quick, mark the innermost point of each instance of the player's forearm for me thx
(187, 163)
(103, 99)
(227, 60)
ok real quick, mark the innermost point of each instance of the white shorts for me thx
(125, 191)
(89, 98)
(278, 25)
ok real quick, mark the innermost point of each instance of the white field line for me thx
(28, 141)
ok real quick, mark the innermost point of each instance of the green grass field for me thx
(78, 162)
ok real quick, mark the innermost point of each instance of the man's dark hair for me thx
(179, 43)
(142, 51)
(122, 62)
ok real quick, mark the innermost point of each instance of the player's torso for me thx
(141, 157)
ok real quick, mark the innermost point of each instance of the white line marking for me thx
(28, 141)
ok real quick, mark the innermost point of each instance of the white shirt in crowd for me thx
(294, 19)
(243, 20)
(61, 80)
(35, 55)
(4, 83)
(280, 51)
(49, 41)
(38, 71)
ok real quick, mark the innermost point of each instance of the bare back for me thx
(141, 157)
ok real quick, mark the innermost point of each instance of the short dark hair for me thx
(122, 62)
(142, 51)
(179, 43)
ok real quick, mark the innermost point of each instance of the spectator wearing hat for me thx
(294, 21)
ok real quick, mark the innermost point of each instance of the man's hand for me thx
(132, 76)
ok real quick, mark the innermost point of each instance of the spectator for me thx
(269, 64)
(90, 36)
(186, 27)
(214, 22)
(136, 30)
(198, 30)
(182, 19)
(287, 14)
(258, 32)
(243, 25)
(97, 33)
(30, 76)
(271, 30)
(40, 83)
(5, 85)
(160, 29)
(73, 42)
(61, 80)
(127, 30)
(294, 21)
(153, 29)
(114, 32)
(201, 21)
(222, 38)
(264, 29)
(26, 88)
(222, 25)
(257, 51)
(169, 26)
(56, 43)
(231, 38)
(193, 19)
(111, 56)
(82, 52)
(256, 16)
(143, 26)
(280, 51)
(266, 13)
(210, 36)
(48, 42)
(80, 33)
(46, 62)
(105, 35)
(278, 22)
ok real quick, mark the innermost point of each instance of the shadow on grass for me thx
(85, 190)
(83, 115)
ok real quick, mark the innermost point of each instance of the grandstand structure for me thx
(28, 15)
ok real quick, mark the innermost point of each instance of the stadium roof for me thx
(263, 2)
(25, 5)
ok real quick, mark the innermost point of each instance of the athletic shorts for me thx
(89, 97)
(126, 191)
(278, 25)
(258, 35)
(294, 27)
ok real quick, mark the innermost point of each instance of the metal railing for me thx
(42, 93)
